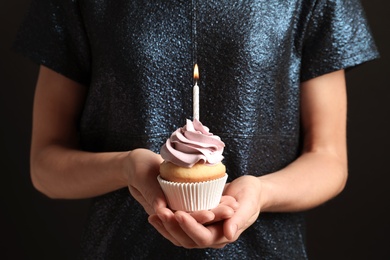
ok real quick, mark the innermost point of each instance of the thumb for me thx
(159, 200)
(244, 216)
(137, 195)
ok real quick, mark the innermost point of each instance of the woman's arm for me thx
(318, 175)
(58, 168)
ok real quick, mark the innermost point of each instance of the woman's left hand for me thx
(184, 229)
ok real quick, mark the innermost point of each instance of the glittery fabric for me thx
(136, 57)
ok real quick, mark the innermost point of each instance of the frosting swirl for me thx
(193, 144)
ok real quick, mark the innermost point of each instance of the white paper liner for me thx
(193, 196)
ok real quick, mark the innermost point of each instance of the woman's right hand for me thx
(141, 172)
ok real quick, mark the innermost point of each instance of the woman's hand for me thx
(183, 229)
(248, 192)
(141, 172)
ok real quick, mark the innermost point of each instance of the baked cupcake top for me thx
(192, 144)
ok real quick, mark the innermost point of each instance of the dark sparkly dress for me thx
(137, 57)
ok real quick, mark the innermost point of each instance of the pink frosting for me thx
(193, 144)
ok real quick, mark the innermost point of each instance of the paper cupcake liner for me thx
(193, 196)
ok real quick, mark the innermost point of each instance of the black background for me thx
(355, 225)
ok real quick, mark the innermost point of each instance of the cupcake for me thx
(192, 175)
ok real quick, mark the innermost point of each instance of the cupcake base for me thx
(193, 196)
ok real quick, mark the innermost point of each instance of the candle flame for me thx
(196, 72)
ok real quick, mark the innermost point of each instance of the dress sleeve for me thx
(337, 37)
(52, 34)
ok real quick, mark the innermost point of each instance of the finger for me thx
(203, 216)
(219, 246)
(203, 236)
(171, 225)
(160, 201)
(155, 221)
(138, 196)
(229, 201)
(154, 196)
(241, 220)
(222, 212)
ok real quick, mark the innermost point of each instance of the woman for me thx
(115, 81)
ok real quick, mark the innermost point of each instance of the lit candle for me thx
(196, 93)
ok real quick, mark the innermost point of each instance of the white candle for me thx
(196, 101)
(195, 93)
